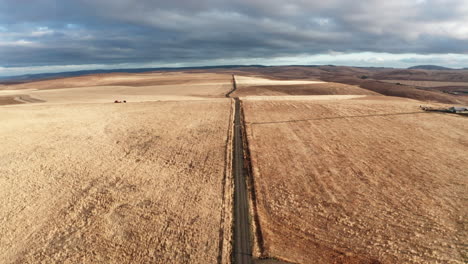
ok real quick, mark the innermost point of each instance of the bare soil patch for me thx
(391, 89)
(8, 100)
(422, 75)
(426, 83)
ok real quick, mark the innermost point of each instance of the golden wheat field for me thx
(141, 182)
(109, 87)
(357, 180)
(339, 173)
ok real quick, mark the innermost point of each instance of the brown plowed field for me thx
(392, 89)
(358, 181)
(427, 83)
(116, 183)
(455, 88)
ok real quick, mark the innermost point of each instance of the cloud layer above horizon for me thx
(184, 32)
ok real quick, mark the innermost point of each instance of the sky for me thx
(65, 35)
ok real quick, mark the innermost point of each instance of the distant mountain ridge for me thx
(429, 67)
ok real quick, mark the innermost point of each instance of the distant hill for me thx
(429, 67)
(286, 72)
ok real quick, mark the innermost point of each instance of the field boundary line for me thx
(334, 117)
(234, 87)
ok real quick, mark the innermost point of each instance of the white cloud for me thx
(72, 26)
(335, 53)
(454, 29)
(21, 42)
(42, 31)
(322, 21)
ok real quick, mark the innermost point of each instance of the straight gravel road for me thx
(242, 246)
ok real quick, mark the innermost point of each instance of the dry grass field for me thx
(131, 87)
(116, 183)
(124, 79)
(342, 173)
(362, 180)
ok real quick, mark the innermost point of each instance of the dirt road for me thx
(242, 248)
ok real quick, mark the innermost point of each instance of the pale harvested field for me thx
(249, 80)
(426, 83)
(116, 183)
(130, 87)
(358, 181)
(256, 86)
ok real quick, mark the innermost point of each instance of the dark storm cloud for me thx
(64, 32)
